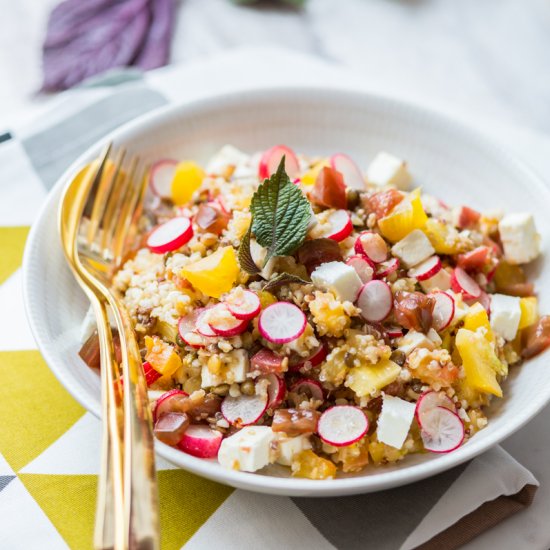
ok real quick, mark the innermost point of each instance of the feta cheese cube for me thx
(248, 450)
(235, 367)
(519, 238)
(505, 315)
(413, 249)
(413, 340)
(386, 169)
(339, 278)
(441, 281)
(395, 421)
(287, 447)
(226, 156)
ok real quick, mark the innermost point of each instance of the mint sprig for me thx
(245, 256)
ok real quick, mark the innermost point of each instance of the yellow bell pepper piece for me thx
(309, 177)
(477, 318)
(368, 379)
(529, 311)
(187, 179)
(311, 466)
(480, 362)
(405, 217)
(162, 356)
(444, 238)
(215, 274)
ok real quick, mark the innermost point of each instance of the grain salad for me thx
(295, 310)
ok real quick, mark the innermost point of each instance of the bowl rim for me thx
(253, 481)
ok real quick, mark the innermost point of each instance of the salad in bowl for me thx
(297, 311)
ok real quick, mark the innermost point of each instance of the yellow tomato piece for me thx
(309, 177)
(368, 379)
(162, 356)
(477, 318)
(529, 311)
(266, 298)
(187, 179)
(480, 362)
(215, 274)
(381, 453)
(407, 216)
(309, 465)
(444, 238)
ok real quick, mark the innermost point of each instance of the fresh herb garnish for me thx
(283, 279)
(245, 256)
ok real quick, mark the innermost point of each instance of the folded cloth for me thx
(44, 479)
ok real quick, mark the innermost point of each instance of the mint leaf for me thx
(280, 214)
(283, 279)
(245, 256)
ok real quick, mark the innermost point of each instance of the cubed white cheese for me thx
(235, 367)
(385, 169)
(394, 421)
(413, 340)
(248, 450)
(226, 156)
(287, 447)
(339, 278)
(505, 315)
(441, 281)
(519, 238)
(413, 249)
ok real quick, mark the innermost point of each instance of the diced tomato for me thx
(536, 338)
(467, 217)
(211, 218)
(266, 362)
(475, 259)
(329, 189)
(384, 202)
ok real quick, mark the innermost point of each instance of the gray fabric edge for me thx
(5, 480)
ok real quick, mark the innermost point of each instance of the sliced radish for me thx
(162, 405)
(375, 301)
(309, 387)
(244, 306)
(245, 409)
(362, 266)
(442, 430)
(430, 400)
(202, 326)
(474, 259)
(372, 245)
(161, 176)
(340, 226)
(462, 282)
(316, 358)
(282, 322)
(170, 235)
(271, 159)
(349, 170)
(342, 425)
(387, 268)
(276, 390)
(426, 269)
(194, 339)
(485, 300)
(394, 332)
(186, 330)
(444, 310)
(200, 441)
(221, 321)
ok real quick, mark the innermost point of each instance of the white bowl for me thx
(452, 162)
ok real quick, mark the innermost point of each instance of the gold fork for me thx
(98, 218)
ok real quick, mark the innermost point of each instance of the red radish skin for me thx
(340, 226)
(151, 375)
(160, 408)
(394, 332)
(426, 269)
(194, 339)
(349, 170)
(246, 308)
(342, 425)
(443, 431)
(444, 310)
(223, 323)
(266, 361)
(387, 268)
(200, 441)
(282, 322)
(373, 246)
(475, 259)
(375, 301)
(161, 176)
(272, 157)
(362, 266)
(170, 235)
(244, 410)
(315, 359)
(463, 283)
(276, 390)
(429, 400)
(202, 326)
(309, 387)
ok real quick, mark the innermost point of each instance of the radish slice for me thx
(349, 170)
(372, 245)
(162, 405)
(362, 266)
(200, 441)
(282, 322)
(309, 387)
(245, 409)
(161, 176)
(484, 299)
(276, 390)
(387, 268)
(340, 226)
(194, 339)
(245, 306)
(394, 332)
(444, 310)
(426, 269)
(186, 330)
(170, 235)
(202, 326)
(442, 430)
(375, 301)
(221, 321)
(316, 358)
(462, 282)
(342, 425)
(271, 159)
(430, 400)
